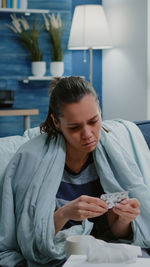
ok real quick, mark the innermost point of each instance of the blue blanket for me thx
(31, 182)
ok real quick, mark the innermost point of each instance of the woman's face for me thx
(80, 124)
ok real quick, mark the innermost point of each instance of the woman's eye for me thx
(78, 127)
(74, 128)
(93, 122)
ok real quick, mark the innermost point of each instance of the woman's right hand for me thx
(83, 207)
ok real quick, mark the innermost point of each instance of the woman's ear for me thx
(56, 123)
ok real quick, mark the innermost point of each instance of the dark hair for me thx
(65, 91)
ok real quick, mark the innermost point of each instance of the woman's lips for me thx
(89, 144)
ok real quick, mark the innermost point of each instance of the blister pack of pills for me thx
(113, 198)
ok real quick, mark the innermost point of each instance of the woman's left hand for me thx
(127, 210)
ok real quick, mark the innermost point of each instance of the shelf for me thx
(25, 11)
(35, 78)
(44, 78)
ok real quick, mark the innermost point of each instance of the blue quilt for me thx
(33, 177)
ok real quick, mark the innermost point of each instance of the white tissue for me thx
(99, 251)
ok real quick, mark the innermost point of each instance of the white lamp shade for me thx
(89, 28)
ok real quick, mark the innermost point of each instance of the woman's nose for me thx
(86, 133)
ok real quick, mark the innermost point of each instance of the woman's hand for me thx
(124, 213)
(83, 207)
(127, 210)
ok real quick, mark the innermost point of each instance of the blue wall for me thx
(15, 64)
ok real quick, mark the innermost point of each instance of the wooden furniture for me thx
(20, 112)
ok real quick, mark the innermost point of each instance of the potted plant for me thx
(28, 36)
(53, 25)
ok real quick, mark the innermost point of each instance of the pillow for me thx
(9, 145)
(32, 132)
(145, 129)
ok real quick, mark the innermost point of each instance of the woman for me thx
(79, 120)
(54, 182)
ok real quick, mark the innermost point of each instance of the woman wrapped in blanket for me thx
(53, 185)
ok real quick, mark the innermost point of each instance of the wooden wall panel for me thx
(15, 64)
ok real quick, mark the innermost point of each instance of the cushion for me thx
(32, 132)
(9, 145)
(145, 129)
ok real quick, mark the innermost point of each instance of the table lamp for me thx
(89, 30)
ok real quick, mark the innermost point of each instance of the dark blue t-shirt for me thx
(73, 185)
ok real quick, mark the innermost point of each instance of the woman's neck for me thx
(75, 160)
